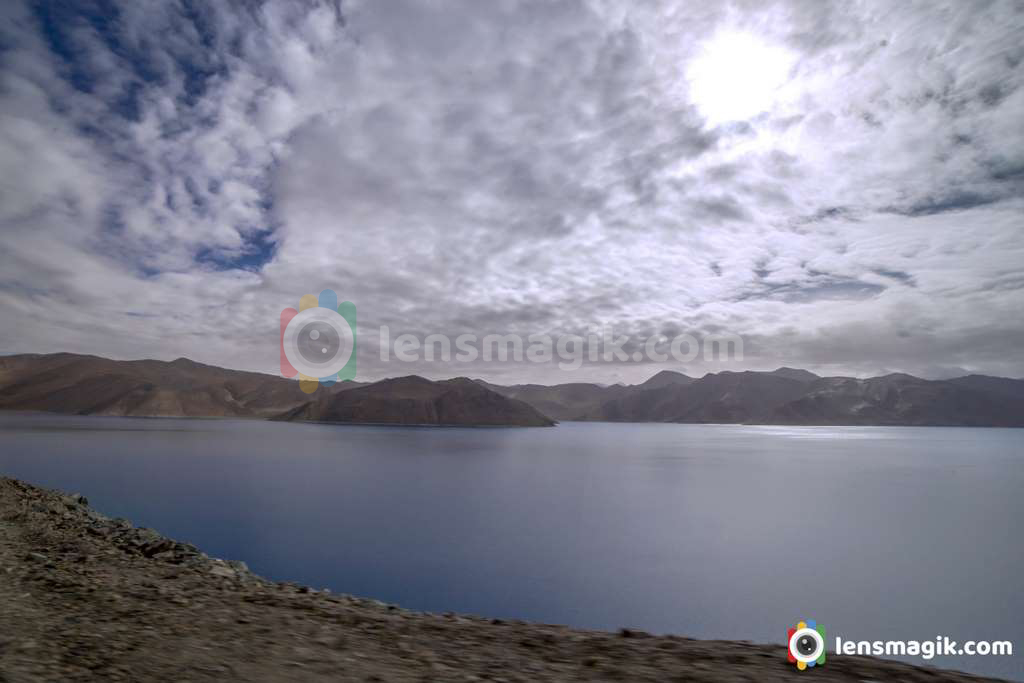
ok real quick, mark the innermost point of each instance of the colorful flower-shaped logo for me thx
(806, 644)
(318, 341)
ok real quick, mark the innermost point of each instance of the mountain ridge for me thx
(414, 400)
(92, 385)
(83, 384)
(787, 396)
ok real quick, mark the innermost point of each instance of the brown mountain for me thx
(69, 383)
(720, 397)
(580, 400)
(90, 385)
(417, 401)
(787, 396)
(560, 401)
(666, 378)
(668, 396)
(900, 399)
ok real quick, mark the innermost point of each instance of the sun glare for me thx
(736, 76)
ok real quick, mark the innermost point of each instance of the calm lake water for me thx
(709, 531)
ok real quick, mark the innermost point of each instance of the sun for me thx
(736, 76)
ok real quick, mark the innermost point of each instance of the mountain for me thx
(1012, 389)
(793, 373)
(900, 399)
(720, 397)
(560, 401)
(667, 378)
(786, 396)
(414, 400)
(90, 385)
(86, 385)
(668, 396)
(579, 400)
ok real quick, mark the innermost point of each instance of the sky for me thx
(840, 184)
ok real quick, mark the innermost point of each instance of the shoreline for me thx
(87, 597)
(253, 418)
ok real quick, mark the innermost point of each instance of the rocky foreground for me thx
(84, 597)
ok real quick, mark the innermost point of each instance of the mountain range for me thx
(70, 383)
(90, 385)
(786, 396)
(417, 401)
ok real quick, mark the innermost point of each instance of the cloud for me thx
(175, 175)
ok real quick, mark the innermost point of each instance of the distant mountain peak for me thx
(901, 376)
(666, 378)
(796, 373)
(406, 379)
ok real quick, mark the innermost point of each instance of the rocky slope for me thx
(901, 400)
(417, 401)
(721, 397)
(560, 401)
(87, 598)
(90, 385)
(787, 396)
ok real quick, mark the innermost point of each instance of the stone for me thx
(157, 546)
(223, 570)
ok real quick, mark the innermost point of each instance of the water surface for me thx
(711, 531)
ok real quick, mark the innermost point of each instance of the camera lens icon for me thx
(806, 644)
(318, 342)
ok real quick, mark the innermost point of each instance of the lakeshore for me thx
(87, 597)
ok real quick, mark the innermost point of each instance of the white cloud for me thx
(173, 179)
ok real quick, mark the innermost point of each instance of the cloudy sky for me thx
(840, 183)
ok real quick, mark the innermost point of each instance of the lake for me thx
(710, 531)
